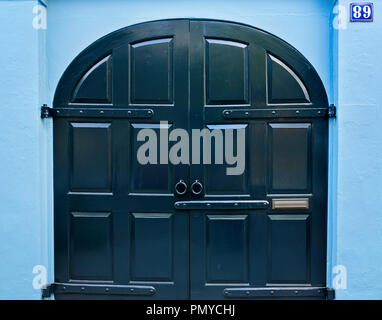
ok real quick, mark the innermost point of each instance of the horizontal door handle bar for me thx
(223, 204)
(276, 113)
(95, 112)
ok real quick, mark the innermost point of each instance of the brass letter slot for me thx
(290, 203)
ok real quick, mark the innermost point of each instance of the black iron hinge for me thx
(47, 291)
(46, 112)
(332, 111)
(330, 294)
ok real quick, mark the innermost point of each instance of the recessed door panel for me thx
(288, 248)
(152, 72)
(290, 157)
(224, 249)
(91, 246)
(284, 85)
(96, 85)
(226, 64)
(152, 241)
(91, 157)
(227, 159)
(227, 248)
(146, 171)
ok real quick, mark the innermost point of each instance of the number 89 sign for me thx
(361, 12)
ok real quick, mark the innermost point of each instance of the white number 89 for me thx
(365, 12)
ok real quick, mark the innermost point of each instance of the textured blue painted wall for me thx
(359, 217)
(20, 142)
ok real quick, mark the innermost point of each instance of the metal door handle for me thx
(181, 188)
(222, 205)
(196, 187)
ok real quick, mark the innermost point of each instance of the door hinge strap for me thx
(214, 205)
(69, 288)
(95, 113)
(275, 113)
(297, 292)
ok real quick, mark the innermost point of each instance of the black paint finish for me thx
(121, 228)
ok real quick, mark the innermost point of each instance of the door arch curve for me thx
(281, 54)
(122, 231)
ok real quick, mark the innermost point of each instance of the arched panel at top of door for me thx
(245, 66)
(144, 64)
(242, 66)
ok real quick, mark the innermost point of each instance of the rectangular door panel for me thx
(91, 246)
(147, 174)
(227, 160)
(227, 248)
(288, 249)
(152, 242)
(151, 250)
(151, 72)
(290, 157)
(226, 83)
(91, 157)
(223, 252)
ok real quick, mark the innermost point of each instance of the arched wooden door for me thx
(127, 230)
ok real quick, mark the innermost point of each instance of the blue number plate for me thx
(361, 12)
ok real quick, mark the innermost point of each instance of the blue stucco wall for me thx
(32, 61)
(359, 216)
(21, 209)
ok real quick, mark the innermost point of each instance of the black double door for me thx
(190, 230)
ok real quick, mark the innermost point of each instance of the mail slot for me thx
(290, 203)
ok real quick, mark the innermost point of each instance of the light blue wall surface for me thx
(359, 217)
(21, 179)
(30, 76)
